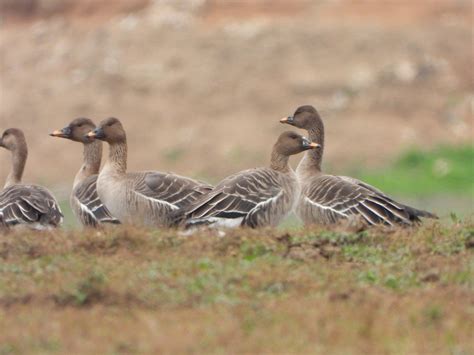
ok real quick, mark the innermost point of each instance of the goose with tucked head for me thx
(256, 197)
(20, 204)
(328, 199)
(84, 200)
(147, 197)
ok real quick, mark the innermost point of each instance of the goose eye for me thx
(80, 125)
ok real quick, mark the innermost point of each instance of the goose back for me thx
(148, 197)
(30, 205)
(328, 199)
(252, 198)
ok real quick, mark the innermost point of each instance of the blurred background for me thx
(201, 84)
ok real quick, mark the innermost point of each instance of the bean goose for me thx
(327, 199)
(256, 197)
(146, 197)
(84, 200)
(30, 205)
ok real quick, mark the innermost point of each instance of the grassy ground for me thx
(315, 290)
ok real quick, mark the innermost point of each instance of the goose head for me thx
(13, 140)
(305, 117)
(290, 143)
(76, 130)
(109, 130)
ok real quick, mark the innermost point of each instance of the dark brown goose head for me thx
(305, 117)
(14, 140)
(109, 130)
(76, 130)
(290, 143)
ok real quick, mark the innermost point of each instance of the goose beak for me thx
(307, 144)
(288, 120)
(97, 133)
(62, 133)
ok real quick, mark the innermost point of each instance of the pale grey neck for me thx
(279, 162)
(19, 156)
(92, 155)
(118, 157)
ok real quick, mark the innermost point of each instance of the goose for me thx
(146, 197)
(328, 199)
(256, 197)
(84, 200)
(21, 204)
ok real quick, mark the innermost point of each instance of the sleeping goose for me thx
(29, 205)
(327, 199)
(256, 197)
(85, 202)
(146, 197)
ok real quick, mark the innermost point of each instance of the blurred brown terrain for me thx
(200, 85)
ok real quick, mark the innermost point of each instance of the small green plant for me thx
(86, 291)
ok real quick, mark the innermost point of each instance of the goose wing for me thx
(171, 189)
(31, 205)
(341, 197)
(413, 212)
(238, 199)
(91, 209)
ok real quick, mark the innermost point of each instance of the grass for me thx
(444, 170)
(128, 290)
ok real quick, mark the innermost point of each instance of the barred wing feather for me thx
(336, 198)
(92, 211)
(242, 198)
(30, 205)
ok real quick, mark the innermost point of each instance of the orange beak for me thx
(56, 133)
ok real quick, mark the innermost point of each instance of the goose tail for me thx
(416, 213)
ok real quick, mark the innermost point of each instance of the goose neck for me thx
(118, 157)
(92, 155)
(279, 162)
(19, 156)
(313, 158)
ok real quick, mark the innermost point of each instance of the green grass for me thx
(444, 170)
(313, 290)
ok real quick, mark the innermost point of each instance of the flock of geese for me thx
(251, 198)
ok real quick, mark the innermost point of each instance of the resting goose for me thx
(146, 197)
(30, 205)
(85, 202)
(327, 199)
(255, 197)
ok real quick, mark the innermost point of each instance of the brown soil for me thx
(200, 87)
